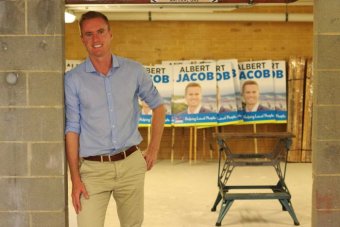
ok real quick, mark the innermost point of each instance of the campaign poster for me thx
(180, 62)
(279, 74)
(162, 78)
(226, 98)
(235, 74)
(257, 91)
(194, 95)
(71, 64)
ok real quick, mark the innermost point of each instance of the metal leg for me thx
(289, 207)
(283, 206)
(217, 201)
(224, 209)
(279, 188)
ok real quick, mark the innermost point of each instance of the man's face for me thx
(96, 37)
(193, 96)
(251, 94)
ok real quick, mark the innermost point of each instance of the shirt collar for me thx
(90, 68)
(197, 110)
(254, 109)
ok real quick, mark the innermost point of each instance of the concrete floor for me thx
(181, 195)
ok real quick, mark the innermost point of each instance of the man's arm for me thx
(157, 126)
(78, 188)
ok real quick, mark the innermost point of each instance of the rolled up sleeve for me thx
(72, 106)
(148, 92)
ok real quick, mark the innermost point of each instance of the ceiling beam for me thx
(175, 1)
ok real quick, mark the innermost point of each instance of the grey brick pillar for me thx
(33, 184)
(326, 114)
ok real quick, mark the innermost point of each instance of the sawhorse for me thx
(279, 153)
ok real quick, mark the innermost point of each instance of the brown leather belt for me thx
(111, 158)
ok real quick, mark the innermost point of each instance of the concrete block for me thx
(326, 18)
(47, 159)
(9, 219)
(12, 14)
(11, 194)
(327, 118)
(327, 49)
(32, 53)
(328, 88)
(326, 190)
(13, 159)
(43, 124)
(327, 218)
(45, 17)
(37, 124)
(55, 219)
(325, 157)
(12, 94)
(46, 88)
(9, 125)
(33, 194)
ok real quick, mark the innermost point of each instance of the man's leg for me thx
(98, 180)
(129, 190)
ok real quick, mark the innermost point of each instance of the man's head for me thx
(92, 15)
(250, 92)
(95, 33)
(193, 95)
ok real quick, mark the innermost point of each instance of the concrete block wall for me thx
(33, 184)
(326, 112)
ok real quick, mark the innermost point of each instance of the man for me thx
(101, 101)
(251, 94)
(193, 97)
(146, 110)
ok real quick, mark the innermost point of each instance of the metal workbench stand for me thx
(279, 154)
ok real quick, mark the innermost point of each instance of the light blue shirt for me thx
(104, 110)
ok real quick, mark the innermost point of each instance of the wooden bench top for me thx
(244, 135)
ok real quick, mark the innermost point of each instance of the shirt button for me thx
(113, 126)
(111, 110)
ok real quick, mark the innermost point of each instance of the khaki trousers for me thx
(124, 180)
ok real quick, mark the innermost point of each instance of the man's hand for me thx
(150, 158)
(78, 190)
(157, 126)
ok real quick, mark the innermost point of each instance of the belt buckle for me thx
(124, 152)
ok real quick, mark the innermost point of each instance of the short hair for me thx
(249, 82)
(192, 84)
(91, 15)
